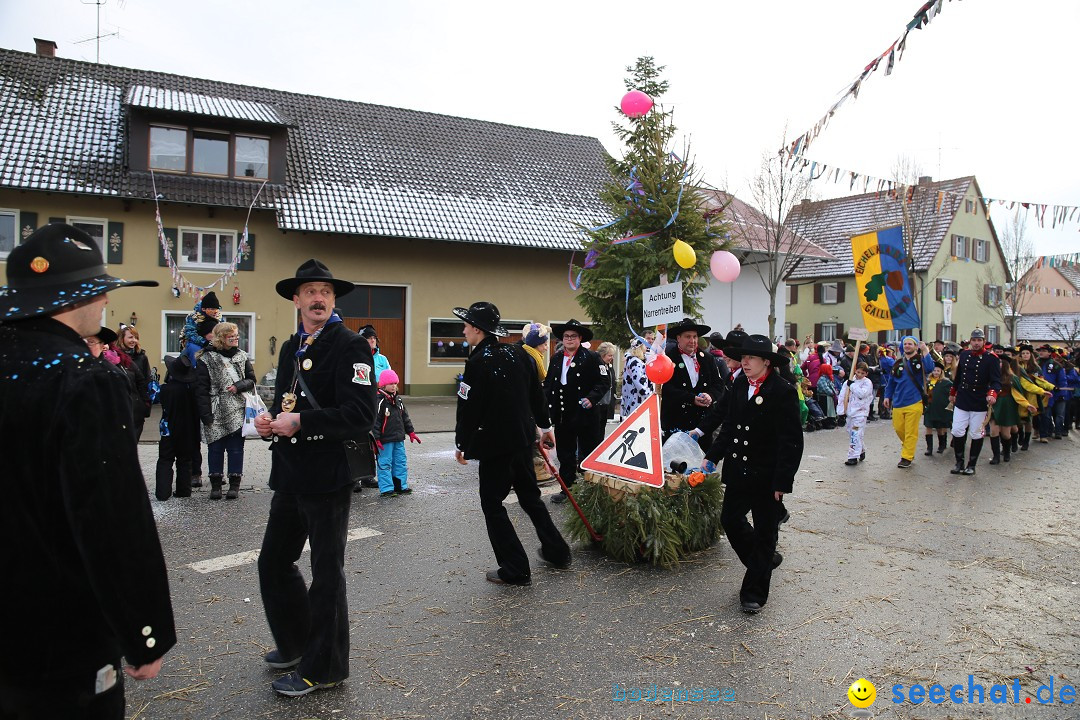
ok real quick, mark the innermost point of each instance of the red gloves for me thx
(378, 444)
(413, 437)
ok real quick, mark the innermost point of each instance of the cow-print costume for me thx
(635, 384)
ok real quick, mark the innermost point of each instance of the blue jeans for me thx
(233, 444)
(392, 465)
(1060, 406)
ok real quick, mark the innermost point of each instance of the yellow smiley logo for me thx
(862, 693)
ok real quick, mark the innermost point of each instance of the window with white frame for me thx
(828, 330)
(993, 295)
(787, 330)
(960, 246)
(828, 295)
(173, 329)
(948, 333)
(893, 335)
(9, 231)
(789, 293)
(948, 289)
(206, 248)
(992, 334)
(982, 251)
(94, 227)
(446, 340)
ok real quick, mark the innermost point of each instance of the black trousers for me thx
(168, 453)
(64, 699)
(575, 437)
(497, 476)
(754, 544)
(309, 621)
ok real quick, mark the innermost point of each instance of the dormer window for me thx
(201, 151)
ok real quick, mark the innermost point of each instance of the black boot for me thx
(215, 486)
(1006, 449)
(1026, 440)
(976, 446)
(234, 486)
(196, 481)
(941, 444)
(995, 447)
(929, 446)
(958, 448)
(1015, 441)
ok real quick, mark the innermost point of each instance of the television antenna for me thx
(97, 36)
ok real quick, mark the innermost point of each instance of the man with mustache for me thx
(324, 396)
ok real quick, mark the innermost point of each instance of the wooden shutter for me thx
(967, 247)
(794, 300)
(817, 332)
(170, 237)
(248, 262)
(937, 331)
(955, 289)
(840, 285)
(952, 329)
(27, 221)
(986, 294)
(940, 290)
(817, 295)
(114, 251)
(840, 330)
(794, 329)
(882, 337)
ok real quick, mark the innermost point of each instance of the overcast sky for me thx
(986, 89)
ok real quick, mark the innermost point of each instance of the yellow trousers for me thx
(905, 421)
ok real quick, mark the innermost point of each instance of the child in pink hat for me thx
(392, 425)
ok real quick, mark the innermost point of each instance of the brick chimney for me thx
(45, 48)
(925, 180)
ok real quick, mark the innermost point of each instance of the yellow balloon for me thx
(684, 254)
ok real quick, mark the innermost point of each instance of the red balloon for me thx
(660, 369)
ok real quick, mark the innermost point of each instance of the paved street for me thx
(898, 576)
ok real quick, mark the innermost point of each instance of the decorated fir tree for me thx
(655, 204)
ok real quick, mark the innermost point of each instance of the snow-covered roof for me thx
(1048, 327)
(351, 167)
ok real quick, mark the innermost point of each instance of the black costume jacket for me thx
(760, 440)
(976, 376)
(677, 409)
(85, 579)
(500, 403)
(342, 380)
(587, 377)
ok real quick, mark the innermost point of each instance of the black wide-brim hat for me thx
(758, 346)
(106, 335)
(583, 330)
(687, 324)
(733, 339)
(483, 315)
(57, 266)
(312, 271)
(1025, 346)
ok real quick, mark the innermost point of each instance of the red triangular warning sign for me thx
(632, 451)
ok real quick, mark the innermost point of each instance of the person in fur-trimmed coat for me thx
(392, 425)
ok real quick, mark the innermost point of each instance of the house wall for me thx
(525, 284)
(743, 301)
(969, 310)
(1044, 300)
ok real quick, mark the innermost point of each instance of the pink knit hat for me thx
(388, 377)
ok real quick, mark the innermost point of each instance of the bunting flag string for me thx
(1060, 215)
(892, 54)
(180, 282)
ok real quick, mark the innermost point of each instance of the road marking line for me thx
(246, 558)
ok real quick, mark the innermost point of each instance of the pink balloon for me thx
(725, 266)
(635, 104)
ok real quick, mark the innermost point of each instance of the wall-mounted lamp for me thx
(133, 319)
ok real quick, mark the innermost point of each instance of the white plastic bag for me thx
(253, 407)
(681, 448)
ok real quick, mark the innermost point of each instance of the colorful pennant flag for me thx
(881, 280)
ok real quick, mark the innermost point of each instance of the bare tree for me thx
(1067, 330)
(768, 227)
(1020, 282)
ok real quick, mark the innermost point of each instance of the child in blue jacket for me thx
(392, 425)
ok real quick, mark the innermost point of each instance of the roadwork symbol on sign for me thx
(632, 451)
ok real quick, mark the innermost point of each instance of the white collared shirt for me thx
(566, 366)
(689, 362)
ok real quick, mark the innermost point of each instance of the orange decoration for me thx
(696, 478)
(39, 264)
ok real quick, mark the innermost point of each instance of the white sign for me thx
(661, 304)
(946, 305)
(858, 333)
